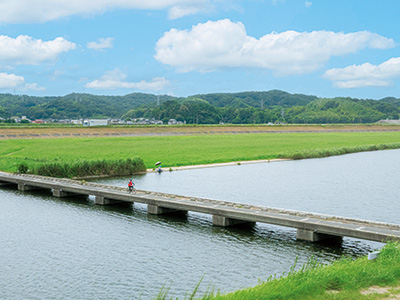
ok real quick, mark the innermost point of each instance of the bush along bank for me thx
(87, 168)
(319, 153)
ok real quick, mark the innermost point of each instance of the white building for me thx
(76, 122)
(96, 122)
(172, 122)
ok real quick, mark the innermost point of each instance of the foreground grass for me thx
(191, 149)
(343, 279)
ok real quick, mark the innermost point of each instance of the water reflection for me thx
(72, 248)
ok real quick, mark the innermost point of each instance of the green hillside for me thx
(236, 108)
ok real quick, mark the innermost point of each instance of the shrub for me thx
(90, 168)
(23, 168)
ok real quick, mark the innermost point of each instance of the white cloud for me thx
(365, 75)
(26, 11)
(103, 43)
(115, 80)
(10, 80)
(27, 50)
(223, 43)
(277, 2)
(308, 4)
(34, 87)
(178, 11)
(15, 81)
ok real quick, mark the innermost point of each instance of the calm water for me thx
(72, 249)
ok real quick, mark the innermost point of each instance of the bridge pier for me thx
(313, 236)
(100, 200)
(25, 187)
(61, 194)
(159, 210)
(225, 221)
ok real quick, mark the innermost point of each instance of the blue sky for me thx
(327, 48)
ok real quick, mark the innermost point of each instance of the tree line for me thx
(236, 108)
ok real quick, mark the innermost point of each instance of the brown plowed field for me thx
(65, 132)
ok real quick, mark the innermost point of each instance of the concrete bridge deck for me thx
(310, 226)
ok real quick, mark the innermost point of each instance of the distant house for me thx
(172, 122)
(38, 121)
(77, 122)
(64, 121)
(141, 121)
(389, 122)
(116, 122)
(16, 119)
(96, 122)
(156, 122)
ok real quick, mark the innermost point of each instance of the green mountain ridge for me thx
(237, 108)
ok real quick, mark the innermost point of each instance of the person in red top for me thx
(130, 186)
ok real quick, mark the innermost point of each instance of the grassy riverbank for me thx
(191, 149)
(344, 279)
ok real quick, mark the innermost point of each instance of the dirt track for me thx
(70, 132)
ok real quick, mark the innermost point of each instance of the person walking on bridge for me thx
(130, 186)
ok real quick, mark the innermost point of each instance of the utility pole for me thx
(283, 114)
(262, 104)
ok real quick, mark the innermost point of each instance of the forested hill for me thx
(74, 105)
(256, 99)
(236, 108)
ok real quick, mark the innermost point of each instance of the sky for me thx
(326, 48)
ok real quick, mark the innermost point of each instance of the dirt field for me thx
(65, 132)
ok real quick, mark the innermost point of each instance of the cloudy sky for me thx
(326, 48)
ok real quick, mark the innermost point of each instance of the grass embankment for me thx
(190, 149)
(345, 279)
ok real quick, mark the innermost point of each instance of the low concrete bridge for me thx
(310, 227)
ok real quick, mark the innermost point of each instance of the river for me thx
(72, 249)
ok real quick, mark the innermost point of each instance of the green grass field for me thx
(191, 149)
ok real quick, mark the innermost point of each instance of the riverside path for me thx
(310, 226)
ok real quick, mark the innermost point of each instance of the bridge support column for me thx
(100, 200)
(61, 194)
(159, 210)
(25, 187)
(312, 236)
(225, 221)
